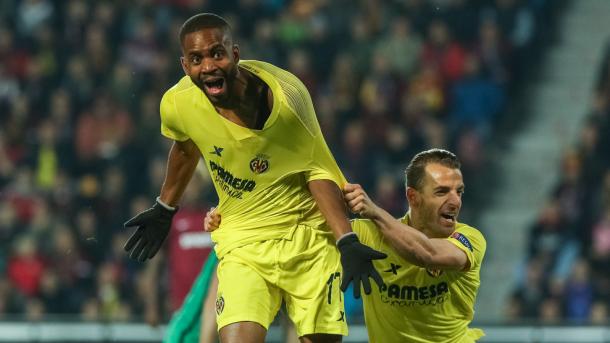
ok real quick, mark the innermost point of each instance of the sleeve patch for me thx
(462, 239)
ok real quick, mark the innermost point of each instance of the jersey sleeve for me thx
(171, 124)
(472, 243)
(323, 165)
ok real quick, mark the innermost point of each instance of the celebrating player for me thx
(278, 187)
(431, 274)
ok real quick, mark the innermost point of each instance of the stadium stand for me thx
(566, 276)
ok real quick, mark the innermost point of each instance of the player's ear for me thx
(235, 53)
(412, 196)
(183, 64)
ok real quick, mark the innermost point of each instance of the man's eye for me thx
(217, 54)
(196, 59)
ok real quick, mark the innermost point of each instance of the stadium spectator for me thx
(570, 239)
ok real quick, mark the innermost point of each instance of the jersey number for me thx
(332, 278)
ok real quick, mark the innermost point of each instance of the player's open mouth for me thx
(214, 86)
(448, 218)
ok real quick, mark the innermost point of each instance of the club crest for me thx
(220, 305)
(259, 164)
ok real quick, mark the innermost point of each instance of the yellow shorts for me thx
(302, 270)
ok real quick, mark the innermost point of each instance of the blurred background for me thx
(518, 89)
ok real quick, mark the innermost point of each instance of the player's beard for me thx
(432, 220)
(223, 99)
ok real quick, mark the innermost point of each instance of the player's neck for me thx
(237, 89)
(247, 103)
(414, 222)
(418, 223)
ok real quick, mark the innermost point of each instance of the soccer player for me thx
(431, 274)
(279, 191)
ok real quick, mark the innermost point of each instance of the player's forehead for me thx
(438, 175)
(206, 39)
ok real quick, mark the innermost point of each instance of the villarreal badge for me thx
(259, 164)
(220, 304)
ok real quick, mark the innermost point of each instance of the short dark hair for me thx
(203, 21)
(416, 170)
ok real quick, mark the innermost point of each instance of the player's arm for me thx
(356, 258)
(410, 243)
(330, 202)
(181, 164)
(154, 224)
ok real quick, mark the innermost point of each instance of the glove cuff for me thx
(347, 238)
(166, 206)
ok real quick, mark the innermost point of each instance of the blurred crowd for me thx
(567, 274)
(80, 148)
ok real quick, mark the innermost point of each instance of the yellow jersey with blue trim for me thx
(417, 304)
(261, 175)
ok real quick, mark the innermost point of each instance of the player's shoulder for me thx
(184, 84)
(257, 67)
(465, 228)
(366, 230)
(172, 95)
(281, 75)
(471, 232)
(362, 224)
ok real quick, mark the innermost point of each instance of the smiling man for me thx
(431, 274)
(278, 185)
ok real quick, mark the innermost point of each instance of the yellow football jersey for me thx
(419, 305)
(260, 175)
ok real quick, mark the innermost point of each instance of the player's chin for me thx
(217, 96)
(446, 225)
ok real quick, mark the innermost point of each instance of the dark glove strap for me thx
(164, 212)
(347, 240)
(166, 206)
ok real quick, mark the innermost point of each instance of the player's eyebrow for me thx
(197, 50)
(447, 188)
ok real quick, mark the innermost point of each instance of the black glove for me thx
(357, 261)
(153, 226)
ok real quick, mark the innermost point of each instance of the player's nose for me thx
(208, 66)
(455, 200)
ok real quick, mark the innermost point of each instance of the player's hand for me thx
(152, 227)
(211, 221)
(358, 201)
(357, 261)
